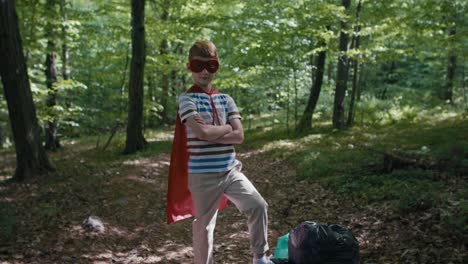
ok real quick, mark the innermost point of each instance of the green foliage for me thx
(409, 189)
(159, 141)
(265, 48)
(351, 162)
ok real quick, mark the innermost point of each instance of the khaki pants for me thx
(207, 191)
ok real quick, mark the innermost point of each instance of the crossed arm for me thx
(225, 134)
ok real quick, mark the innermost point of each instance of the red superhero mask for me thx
(198, 65)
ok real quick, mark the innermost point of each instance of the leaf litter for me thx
(130, 199)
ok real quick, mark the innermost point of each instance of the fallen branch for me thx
(113, 131)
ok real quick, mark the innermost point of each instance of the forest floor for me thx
(42, 218)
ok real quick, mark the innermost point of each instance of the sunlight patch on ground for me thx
(15, 262)
(435, 115)
(6, 199)
(137, 255)
(249, 154)
(142, 162)
(281, 144)
(140, 179)
(240, 235)
(160, 136)
(369, 136)
(5, 177)
(107, 255)
(150, 162)
(313, 155)
(150, 168)
(173, 251)
(363, 239)
(314, 138)
(113, 230)
(76, 231)
(132, 162)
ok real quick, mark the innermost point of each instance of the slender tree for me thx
(451, 67)
(124, 80)
(65, 50)
(31, 159)
(164, 52)
(2, 136)
(355, 63)
(165, 84)
(135, 140)
(51, 130)
(151, 118)
(306, 120)
(342, 74)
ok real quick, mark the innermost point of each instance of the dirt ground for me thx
(131, 202)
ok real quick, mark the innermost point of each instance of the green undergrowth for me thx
(351, 163)
(96, 149)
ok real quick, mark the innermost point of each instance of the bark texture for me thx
(31, 159)
(135, 140)
(342, 75)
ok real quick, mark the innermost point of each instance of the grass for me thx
(350, 162)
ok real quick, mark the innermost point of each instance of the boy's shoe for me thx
(262, 260)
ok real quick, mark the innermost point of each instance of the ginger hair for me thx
(203, 48)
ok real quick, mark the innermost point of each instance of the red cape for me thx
(179, 200)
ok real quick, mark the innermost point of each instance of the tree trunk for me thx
(135, 140)
(123, 82)
(51, 130)
(31, 29)
(463, 83)
(65, 51)
(165, 96)
(287, 106)
(31, 159)
(165, 80)
(330, 73)
(360, 81)
(352, 103)
(306, 120)
(355, 64)
(2, 136)
(295, 95)
(342, 75)
(313, 72)
(172, 93)
(451, 67)
(152, 120)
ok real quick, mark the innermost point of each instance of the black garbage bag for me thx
(313, 243)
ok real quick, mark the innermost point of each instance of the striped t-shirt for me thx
(205, 156)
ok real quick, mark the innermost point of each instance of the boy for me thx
(212, 123)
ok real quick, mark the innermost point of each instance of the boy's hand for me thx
(207, 132)
(236, 136)
(199, 119)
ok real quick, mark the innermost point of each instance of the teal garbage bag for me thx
(281, 250)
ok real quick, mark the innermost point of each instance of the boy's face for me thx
(208, 67)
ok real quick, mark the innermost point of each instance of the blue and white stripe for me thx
(205, 156)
